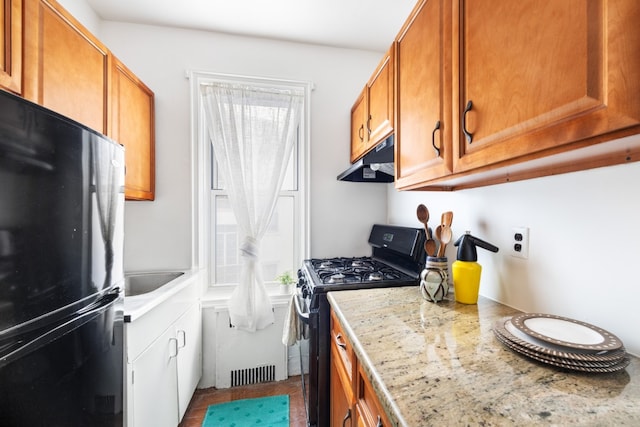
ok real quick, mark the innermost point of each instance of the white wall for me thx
(83, 13)
(584, 243)
(585, 239)
(158, 233)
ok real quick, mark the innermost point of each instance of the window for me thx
(284, 244)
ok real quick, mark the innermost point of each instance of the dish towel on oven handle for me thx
(294, 328)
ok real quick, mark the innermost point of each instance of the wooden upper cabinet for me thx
(131, 123)
(68, 70)
(359, 134)
(11, 42)
(541, 75)
(65, 67)
(521, 89)
(423, 95)
(372, 113)
(380, 100)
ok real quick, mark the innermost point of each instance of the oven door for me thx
(306, 317)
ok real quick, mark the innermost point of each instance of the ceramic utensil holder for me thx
(434, 284)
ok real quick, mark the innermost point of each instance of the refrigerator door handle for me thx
(101, 304)
(36, 339)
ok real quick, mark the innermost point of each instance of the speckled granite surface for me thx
(440, 364)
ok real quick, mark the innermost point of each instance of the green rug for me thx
(272, 411)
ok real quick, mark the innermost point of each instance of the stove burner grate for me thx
(353, 270)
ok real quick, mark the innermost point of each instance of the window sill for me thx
(217, 296)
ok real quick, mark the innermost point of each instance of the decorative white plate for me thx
(574, 365)
(609, 360)
(506, 329)
(565, 332)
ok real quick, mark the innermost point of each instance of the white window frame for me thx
(201, 158)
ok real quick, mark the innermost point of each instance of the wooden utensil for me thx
(423, 216)
(447, 218)
(430, 247)
(438, 234)
(445, 238)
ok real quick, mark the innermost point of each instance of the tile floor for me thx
(205, 397)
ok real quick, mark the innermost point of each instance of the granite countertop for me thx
(440, 364)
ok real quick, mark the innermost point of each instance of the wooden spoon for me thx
(445, 238)
(423, 216)
(430, 247)
(447, 218)
(438, 234)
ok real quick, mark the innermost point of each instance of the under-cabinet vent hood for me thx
(375, 166)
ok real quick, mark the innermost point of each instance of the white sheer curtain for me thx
(253, 130)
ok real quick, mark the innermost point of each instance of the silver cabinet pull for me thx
(184, 338)
(173, 341)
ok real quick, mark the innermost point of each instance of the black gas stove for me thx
(397, 259)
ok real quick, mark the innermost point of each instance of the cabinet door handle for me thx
(346, 417)
(339, 343)
(379, 423)
(468, 135)
(173, 341)
(361, 133)
(433, 138)
(369, 124)
(182, 334)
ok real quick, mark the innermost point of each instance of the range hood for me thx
(375, 166)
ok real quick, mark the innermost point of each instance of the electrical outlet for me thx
(520, 242)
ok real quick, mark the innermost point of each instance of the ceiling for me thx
(358, 24)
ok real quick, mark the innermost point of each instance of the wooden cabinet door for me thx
(423, 95)
(11, 45)
(380, 89)
(132, 124)
(342, 412)
(65, 67)
(370, 412)
(372, 113)
(359, 134)
(541, 75)
(341, 380)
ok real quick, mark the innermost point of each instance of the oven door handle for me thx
(304, 316)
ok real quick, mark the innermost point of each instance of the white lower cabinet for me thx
(189, 360)
(164, 361)
(154, 384)
(164, 377)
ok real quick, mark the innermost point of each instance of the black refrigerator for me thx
(61, 270)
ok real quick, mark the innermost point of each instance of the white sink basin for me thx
(142, 283)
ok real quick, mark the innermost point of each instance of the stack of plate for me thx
(562, 342)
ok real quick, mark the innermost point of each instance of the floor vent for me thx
(261, 374)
